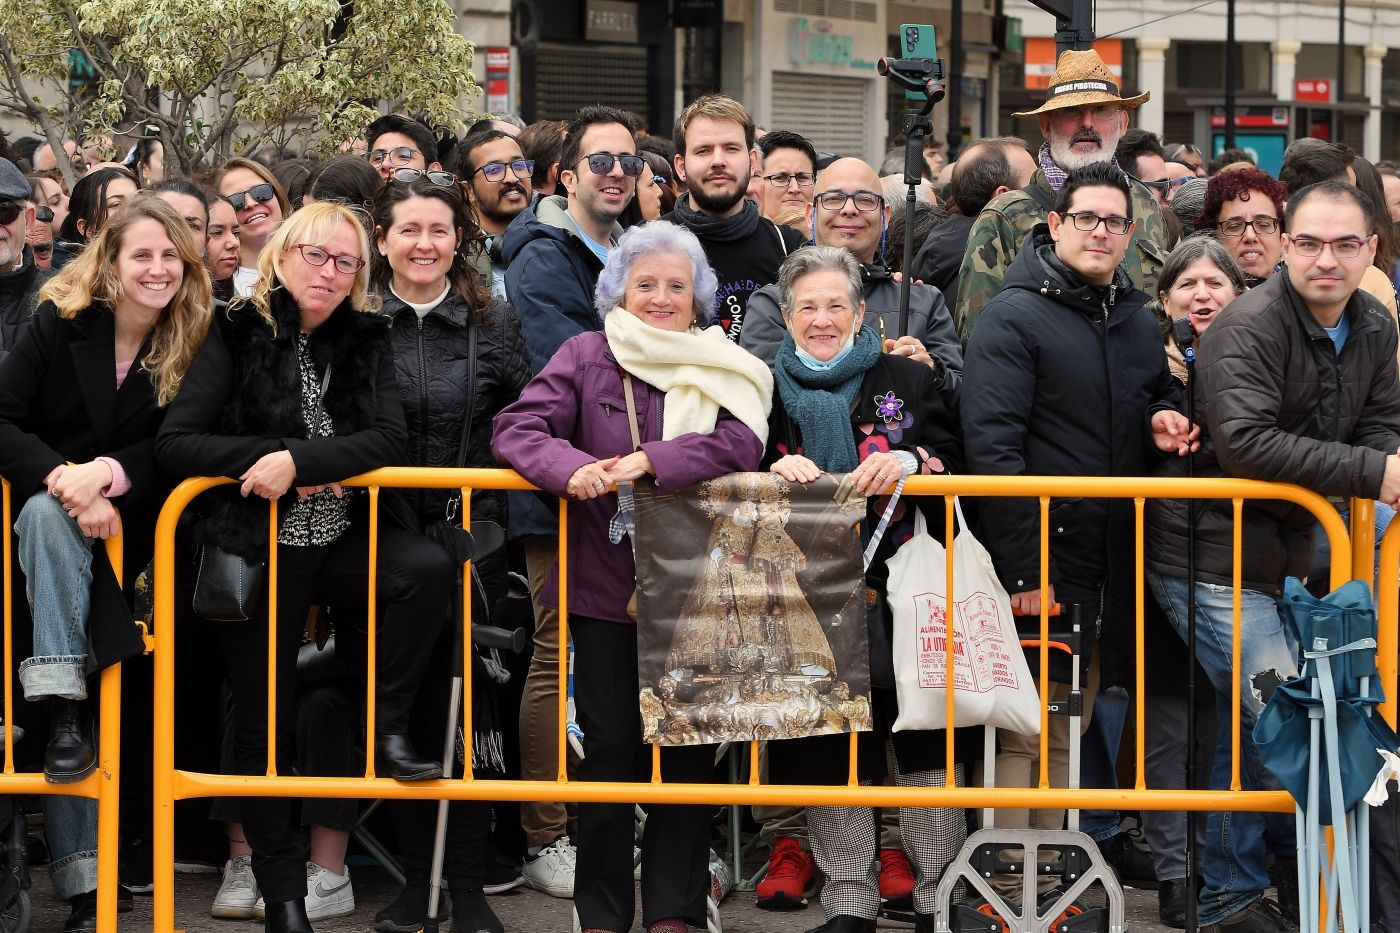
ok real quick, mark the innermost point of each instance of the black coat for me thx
(1279, 403)
(432, 361)
(940, 258)
(241, 400)
(1062, 378)
(59, 403)
(19, 297)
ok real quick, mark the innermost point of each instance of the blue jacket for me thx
(550, 275)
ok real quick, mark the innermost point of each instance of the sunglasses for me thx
(601, 163)
(441, 179)
(520, 168)
(261, 194)
(399, 155)
(44, 214)
(9, 212)
(1162, 186)
(41, 249)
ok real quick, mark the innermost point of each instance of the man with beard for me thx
(497, 176)
(715, 157)
(1083, 118)
(20, 279)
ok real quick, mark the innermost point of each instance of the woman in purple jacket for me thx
(569, 434)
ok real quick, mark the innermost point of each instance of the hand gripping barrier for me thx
(104, 784)
(172, 784)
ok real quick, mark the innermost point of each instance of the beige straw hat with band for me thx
(1082, 79)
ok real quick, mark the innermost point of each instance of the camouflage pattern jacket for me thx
(1002, 226)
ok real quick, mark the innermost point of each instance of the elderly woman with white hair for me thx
(701, 410)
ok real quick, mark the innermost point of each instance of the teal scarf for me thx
(820, 402)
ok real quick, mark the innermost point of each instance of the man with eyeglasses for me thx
(850, 212)
(1141, 155)
(1299, 382)
(1083, 118)
(554, 251)
(1066, 375)
(20, 276)
(788, 176)
(397, 141)
(715, 158)
(1188, 155)
(498, 181)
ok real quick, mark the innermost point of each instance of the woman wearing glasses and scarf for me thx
(460, 360)
(294, 391)
(260, 205)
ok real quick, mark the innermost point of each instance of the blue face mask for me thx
(818, 366)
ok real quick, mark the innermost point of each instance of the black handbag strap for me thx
(461, 460)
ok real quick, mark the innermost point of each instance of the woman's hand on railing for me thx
(796, 468)
(591, 480)
(876, 472)
(99, 520)
(271, 476)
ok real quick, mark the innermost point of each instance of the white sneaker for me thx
(328, 895)
(552, 871)
(238, 892)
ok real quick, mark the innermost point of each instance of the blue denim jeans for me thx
(1099, 758)
(70, 826)
(1235, 860)
(1322, 547)
(57, 564)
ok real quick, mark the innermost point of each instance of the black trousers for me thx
(675, 847)
(413, 587)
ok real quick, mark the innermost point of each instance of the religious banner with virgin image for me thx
(751, 611)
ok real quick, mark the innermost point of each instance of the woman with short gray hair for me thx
(843, 406)
(689, 405)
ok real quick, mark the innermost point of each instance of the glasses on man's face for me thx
(783, 179)
(1088, 222)
(315, 256)
(399, 155)
(258, 193)
(1263, 225)
(1345, 248)
(495, 172)
(865, 201)
(409, 175)
(1164, 185)
(601, 163)
(9, 212)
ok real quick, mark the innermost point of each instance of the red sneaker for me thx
(896, 875)
(788, 882)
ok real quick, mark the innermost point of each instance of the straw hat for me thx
(1081, 78)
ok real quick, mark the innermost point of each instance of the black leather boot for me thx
(844, 923)
(397, 759)
(83, 917)
(286, 917)
(71, 754)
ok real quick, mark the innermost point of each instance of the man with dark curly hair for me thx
(1245, 209)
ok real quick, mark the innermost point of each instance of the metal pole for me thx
(955, 85)
(1338, 118)
(1231, 78)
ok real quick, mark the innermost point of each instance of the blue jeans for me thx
(57, 564)
(1099, 758)
(1235, 860)
(70, 826)
(1322, 547)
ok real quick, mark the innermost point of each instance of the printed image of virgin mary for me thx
(746, 612)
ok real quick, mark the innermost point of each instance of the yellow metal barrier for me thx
(103, 785)
(172, 784)
(1388, 616)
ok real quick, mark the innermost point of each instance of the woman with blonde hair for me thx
(294, 391)
(82, 396)
(260, 205)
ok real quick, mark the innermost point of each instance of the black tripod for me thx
(922, 76)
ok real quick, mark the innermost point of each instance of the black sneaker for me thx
(1132, 865)
(406, 912)
(1262, 916)
(501, 877)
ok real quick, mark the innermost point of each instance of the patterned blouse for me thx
(319, 519)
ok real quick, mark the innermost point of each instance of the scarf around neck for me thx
(700, 372)
(1055, 175)
(720, 229)
(820, 402)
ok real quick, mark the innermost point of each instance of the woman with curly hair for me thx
(1244, 208)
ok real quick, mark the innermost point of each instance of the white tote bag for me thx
(992, 681)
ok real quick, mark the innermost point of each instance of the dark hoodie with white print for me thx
(1062, 378)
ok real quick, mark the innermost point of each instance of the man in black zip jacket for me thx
(1066, 375)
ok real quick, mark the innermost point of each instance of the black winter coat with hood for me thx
(1062, 378)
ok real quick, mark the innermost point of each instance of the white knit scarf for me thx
(700, 372)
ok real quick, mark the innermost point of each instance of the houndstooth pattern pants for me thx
(845, 840)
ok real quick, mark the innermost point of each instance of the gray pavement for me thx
(521, 911)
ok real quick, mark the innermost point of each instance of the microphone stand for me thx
(1185, 339)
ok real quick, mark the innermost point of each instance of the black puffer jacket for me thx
(1281, 404)
(19, 297)
(431, 360)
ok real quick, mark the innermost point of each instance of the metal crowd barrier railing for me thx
(172, 784)
(104, 784)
